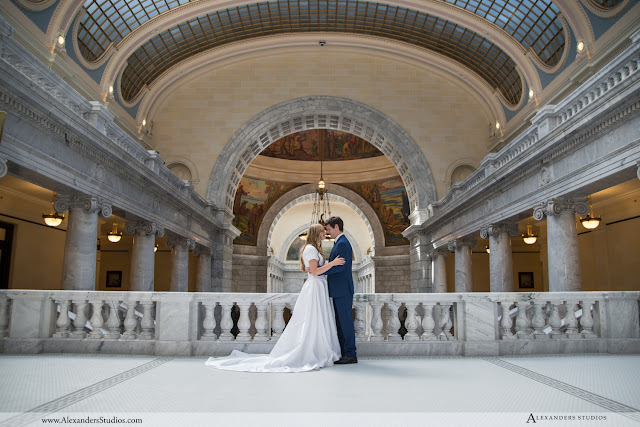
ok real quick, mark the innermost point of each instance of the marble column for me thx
(562, 242)
(142, 254)
(440, 269)
(420, 263)
(79, 264)
(223, 259)
(463, 247)
(501, 258)
(180, 247)
(203, 275)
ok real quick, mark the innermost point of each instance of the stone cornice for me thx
(68, 123)
(608, 100)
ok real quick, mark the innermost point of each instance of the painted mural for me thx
(306, 146)
(253, 199)
(390, 202)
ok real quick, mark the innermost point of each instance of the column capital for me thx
(556, 206)
(89, 204)
(144, 227)
(175, 241)
(441, 251)
(498, 228)
(471, 242)
(201, 250)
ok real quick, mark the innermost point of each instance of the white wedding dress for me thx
(310, 340)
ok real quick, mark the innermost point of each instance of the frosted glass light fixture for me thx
(114, 236)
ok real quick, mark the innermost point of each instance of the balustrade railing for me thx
(385, 324)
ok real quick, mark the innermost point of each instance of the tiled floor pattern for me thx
(385, 391)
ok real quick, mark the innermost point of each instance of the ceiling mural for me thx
(253, 199)
(390, 202)
(321, 144)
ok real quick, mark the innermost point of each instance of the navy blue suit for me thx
(340, 280)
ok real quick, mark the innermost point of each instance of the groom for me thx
(340, 281)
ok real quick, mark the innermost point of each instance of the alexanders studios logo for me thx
(534, 419)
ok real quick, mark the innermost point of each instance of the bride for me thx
(310, 340)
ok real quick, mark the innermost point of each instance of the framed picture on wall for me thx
(525, 279)
(114, 279)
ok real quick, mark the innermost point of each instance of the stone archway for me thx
(344, 195)
(321, 112)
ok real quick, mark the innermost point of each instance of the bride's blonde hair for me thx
(315, 235)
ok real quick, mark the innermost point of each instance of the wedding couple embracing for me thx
(320, 332)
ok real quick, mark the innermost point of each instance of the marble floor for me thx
(80, 389)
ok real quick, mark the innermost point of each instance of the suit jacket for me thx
(340, 278)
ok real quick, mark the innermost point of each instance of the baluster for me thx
(130, 322)
(445, 322)
(80, 320)
(586, 320)
(523, 329)
(554, 322)
(96, 319)
(359, 321)
(226, 323)
(208, 323)
(506, 323)
(376, 322)
(278, 319)
(261, 323)
(243, 322)
(427, 322)
(4, 316)
(63, 322)
(146, 322)
(538, 321)
(411, 323)
(113, 322)
(394, 322)
(571, 321)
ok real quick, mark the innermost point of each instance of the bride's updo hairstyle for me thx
(315, 235)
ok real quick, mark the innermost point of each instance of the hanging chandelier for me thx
(590, 222)
(321, 206)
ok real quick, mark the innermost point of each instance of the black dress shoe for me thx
(346, 360)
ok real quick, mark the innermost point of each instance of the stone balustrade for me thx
(414, 324)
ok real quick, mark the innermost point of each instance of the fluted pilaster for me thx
(142, 255)
(562, 242)
(79, 264)
(500, 259)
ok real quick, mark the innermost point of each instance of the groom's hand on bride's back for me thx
(338, 261)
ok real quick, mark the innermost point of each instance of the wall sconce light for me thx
(580, 46)
(497, 125)
(155, 248)
(114, 236)
(531, 93)
(486, 248)
(144, 122)
(110, 89)
(61, 40)
(529, 238)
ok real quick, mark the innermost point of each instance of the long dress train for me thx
(310, 340)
